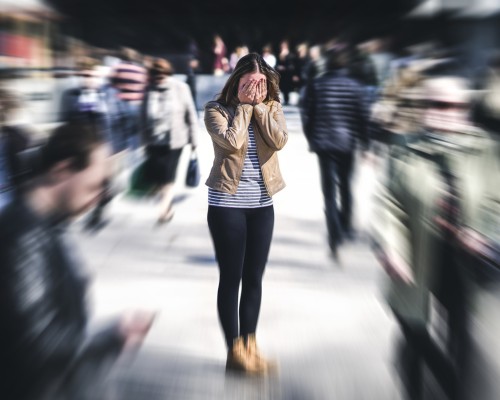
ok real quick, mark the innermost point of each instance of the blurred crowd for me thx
(428, 126)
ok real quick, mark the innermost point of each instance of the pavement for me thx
(325, 324)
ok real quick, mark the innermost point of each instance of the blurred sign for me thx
(18, 46)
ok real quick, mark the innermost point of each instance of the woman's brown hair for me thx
(250, 63)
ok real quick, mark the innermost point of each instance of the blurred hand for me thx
(399, 269)
(396, 268)
(367, 157)
(246, 94)
(260, 92)
(134, 326)
(473, 242)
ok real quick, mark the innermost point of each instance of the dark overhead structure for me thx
(166, 26)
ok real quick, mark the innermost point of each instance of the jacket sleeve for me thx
(271, 122)
(230, 136)
(191, 115)
(390, 230)
(362, 116)
(49, 338)
(307, 110)
(146, 124)
(31, 291)
(68, 105)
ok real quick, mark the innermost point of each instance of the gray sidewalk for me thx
(326, 325)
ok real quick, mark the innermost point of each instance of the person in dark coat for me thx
(14, 139)
(285, 65)
(46, 349)
(333, 121)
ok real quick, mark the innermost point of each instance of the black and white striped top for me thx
(251, 192)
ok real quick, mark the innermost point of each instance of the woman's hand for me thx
(260, 92)
(246, 94)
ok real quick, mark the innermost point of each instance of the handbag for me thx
(193, 171)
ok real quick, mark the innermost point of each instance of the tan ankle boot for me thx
(256, 357)
(238, 359)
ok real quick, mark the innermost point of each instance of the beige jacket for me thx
(408, 205)
(228, 128)
(182, 115)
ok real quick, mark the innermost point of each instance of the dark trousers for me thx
(449, 366)
(336, 169)
(241, 238)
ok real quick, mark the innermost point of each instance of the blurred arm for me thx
(272, 124)
(391, 233)
(229, 135)
(46, 307)
(191, 116)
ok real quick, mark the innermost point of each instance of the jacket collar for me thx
(342, 72)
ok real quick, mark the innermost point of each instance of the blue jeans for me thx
(132, 125)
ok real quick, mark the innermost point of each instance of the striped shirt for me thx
(130, 80)
(251, 192)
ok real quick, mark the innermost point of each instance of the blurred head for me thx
(302, 50)
(74, 167)
(448, 104)
(251, 66)
(337, 58)
(88, 74)
(243, 51)
(218, 39)
(267, 49)
(129, 54)
(315, 52)
(160, 70)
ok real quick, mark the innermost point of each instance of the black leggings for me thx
(242, 238)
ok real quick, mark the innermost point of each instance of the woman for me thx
(247, 127)
(171, 122)
(221, 63)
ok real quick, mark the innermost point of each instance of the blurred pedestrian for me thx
(130, 79)
(239, 52)
(247, 127)
(221, 64)
(171, 122)
(380, 57)
(95, 102)
(46, 350)
(193, 67)
(435, 233)
(285, 65)
(14, 140)
(268, 56)
(333, 122)
(301, 63)
(487, 106)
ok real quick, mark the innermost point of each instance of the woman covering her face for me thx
(247, 127)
